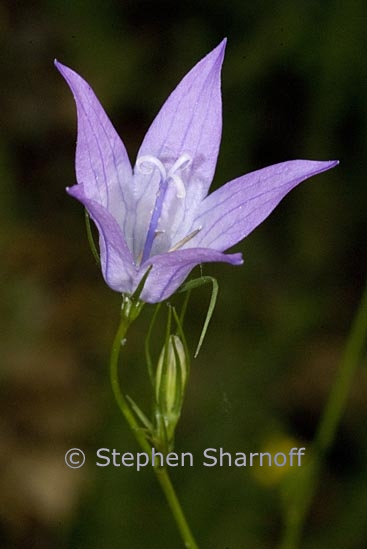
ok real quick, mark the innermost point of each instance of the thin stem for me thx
(160, 472)
(302, 498)
(175, 506)
(338, 398)
(114, 378)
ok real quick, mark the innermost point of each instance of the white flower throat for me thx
(146, 165)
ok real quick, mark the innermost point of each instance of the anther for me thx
(184, 240)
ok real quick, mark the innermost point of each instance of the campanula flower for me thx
(159, 213)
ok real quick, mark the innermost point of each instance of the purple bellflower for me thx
(159, 213)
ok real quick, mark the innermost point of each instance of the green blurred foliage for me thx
(293, 87)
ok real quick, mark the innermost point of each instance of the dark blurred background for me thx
(294, 86)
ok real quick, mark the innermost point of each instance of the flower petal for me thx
(234, 210)
(102, 164)
(190, 121)
(170, 270)
(117, 264)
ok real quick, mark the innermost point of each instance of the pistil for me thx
(146, 165)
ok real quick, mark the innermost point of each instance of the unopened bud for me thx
(171, 377)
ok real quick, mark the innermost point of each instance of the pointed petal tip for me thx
(328, 164)
(223, 43)
(58, 65)
(66, 71)
(220, 50)
(311, 167)
(216, 55)
(236, 259)
(76, 191)
(63, 69)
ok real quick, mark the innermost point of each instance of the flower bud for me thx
(170, 382)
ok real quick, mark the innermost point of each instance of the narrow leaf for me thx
(148, 356)
(196, 283)
(90, 238)
(139, 414)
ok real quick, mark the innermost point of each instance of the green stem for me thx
(302, 497)
(351, 359)
(114, 378)
(160, 472)
(175, 506)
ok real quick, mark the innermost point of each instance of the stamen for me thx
(184, 240)
(157, 232)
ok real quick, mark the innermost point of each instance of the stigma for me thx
(147, 163)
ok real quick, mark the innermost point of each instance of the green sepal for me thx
(148, 356)
(196, 283)
(140, 414)
(181, 333)
(91, 242)
(131, 304)
(136, 295)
